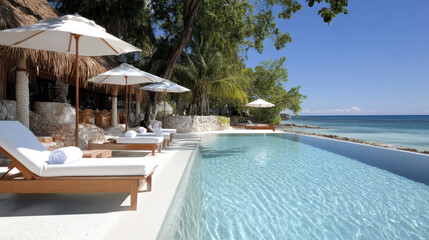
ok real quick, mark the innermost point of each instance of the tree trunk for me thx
(190, 10)
(130, 106)
(149, 106)
(200, 102)
(137, 117)
(22, 93)
(114, 111)
(178, 106)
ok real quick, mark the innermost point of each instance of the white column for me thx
(22, 94)
(114, 111)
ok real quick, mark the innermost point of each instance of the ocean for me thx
(398, 131)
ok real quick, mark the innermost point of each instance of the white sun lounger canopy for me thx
(260, 103)
(55, 34)
(165, 86)
(133, 76)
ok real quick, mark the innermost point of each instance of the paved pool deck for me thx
(99, 215)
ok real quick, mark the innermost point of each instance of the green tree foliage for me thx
(206, 73)
(269, 79)
(243, 24)
(237, 25)
(127, 19)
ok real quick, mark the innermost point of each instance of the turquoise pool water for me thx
(285, 186)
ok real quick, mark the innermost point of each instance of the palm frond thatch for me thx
(16, 13)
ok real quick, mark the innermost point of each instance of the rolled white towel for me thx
(158, 132)
(142, 130)
(65, 155)
(130, 134)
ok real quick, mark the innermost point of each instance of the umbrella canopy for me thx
(134, 76)
(165, 86)
(260, 103)
(57, 34)
(125, 74)
(69, 34)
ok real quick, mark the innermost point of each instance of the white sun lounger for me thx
(166, 136)
(83, 176)
(152, 143)
(171, 131)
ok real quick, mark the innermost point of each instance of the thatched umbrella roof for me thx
(16, 13)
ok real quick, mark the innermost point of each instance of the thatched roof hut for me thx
(16, 13)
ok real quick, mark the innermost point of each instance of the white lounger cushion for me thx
(165, 135)
(141, 140)
(21, 143)
(101, 167)
(168, 130)
(164, 130)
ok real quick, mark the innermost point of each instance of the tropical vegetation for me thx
(203, 45)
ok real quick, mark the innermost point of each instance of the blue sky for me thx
(375, 60)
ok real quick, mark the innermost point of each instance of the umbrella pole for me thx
(259, 113)
(76, 37)
(126, 103)
(165, 99)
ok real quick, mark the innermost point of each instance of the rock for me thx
(285, 116)
(7, 110)
(65, 133)
(409, 149)
(184, 124)
(168, 110)
(58, 121)
(55, 113)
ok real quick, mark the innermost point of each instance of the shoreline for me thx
(281, 127)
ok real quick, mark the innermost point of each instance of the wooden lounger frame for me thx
(269, 127)
(127, 146)
(27, 182)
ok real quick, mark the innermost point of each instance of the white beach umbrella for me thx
(125, 74)
(165, 86)
(260, 104)
(68, 34)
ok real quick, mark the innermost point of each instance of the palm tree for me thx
(205, 72)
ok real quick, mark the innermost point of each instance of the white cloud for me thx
(350, 110)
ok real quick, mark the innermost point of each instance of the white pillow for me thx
(130, 134)
(142, 130)
(65, 155)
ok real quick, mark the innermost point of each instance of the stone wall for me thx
(58, 120)
(55, 112)
(7, 110)
(185, 124)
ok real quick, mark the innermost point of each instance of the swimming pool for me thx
(287, 186)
